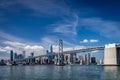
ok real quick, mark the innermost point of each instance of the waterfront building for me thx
(11, 55)
(15, 56)
(81, 59)
(51, 49)
(24, 54)
(32, 54)
(93, 60)
(66, 59)
(85, 59)
(99, 61)
(47, 51)
(88, 58)
(20, 56)
(74, 58)
(2, 62)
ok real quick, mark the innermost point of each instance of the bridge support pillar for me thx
(60, 61)
(111, 55)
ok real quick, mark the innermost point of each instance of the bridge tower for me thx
(60, 61)
(111, 55)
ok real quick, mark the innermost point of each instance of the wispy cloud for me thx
(48, 40)
(94, 40)
(6, 36)
(49, 7)
(89, 41)
(67, 26)
(54, 41)
(106, 28)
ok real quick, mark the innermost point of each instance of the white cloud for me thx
(89, 41)
(34, 47)
(93, 40)
(54, 41)
(84, 41)
(79, 47)
(55, 47)
(18, 47)
(6, 49)
(15, 44)
(2, 50)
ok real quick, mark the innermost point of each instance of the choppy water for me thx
(52, 72)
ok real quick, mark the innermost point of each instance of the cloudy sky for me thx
(33, 25)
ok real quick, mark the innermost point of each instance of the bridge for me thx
(68, 52)
(111, 54)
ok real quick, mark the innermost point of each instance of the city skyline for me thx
(34, 25)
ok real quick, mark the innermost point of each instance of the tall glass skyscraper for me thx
(11, 55)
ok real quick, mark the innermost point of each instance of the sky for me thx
(34, 25)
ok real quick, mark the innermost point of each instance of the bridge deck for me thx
(72, 51)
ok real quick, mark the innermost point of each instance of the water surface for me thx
(52, 72)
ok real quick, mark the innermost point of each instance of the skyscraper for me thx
(88, 58)
(24, 54)
(11, 55)
(85, 59)
(51, 49)
(81, 59)
(15, 56)
(93, 60)
(32, 54)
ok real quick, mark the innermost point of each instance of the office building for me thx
(88, 58)
(11, 55)
(24, 54)
(32, 54)
(51, 49)
(85, 59)
(93, 60)
(81, 59)
(15, 56)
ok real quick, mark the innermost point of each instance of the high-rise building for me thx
(88, 58)
(47, 51)
(74, 58)
(81, 59)
(50, 52)
(24, 54)
(65, 59)
(11, 55)
(15, 56)
(93, 60)
(85, 59)
(51, 49)
(32, 54)
(20, 56)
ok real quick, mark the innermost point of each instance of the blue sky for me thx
(32, 25)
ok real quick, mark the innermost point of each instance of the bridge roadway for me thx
(71, 52)
(68, 52)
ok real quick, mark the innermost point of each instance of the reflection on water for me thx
(111, 73)
(52, 72)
